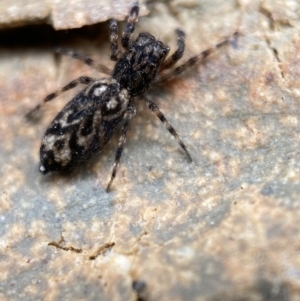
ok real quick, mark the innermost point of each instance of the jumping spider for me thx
(85, 125)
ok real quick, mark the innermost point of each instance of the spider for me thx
(86, 124)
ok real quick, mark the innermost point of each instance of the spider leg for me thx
(153, 107)
(192, 61)
(81, 80)
(130, 112)
(88, 61)
(177, 55)
(132, 19)
(115, 53)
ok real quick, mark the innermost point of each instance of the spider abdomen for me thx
(84, 126)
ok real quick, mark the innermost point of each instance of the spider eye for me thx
(166, 51)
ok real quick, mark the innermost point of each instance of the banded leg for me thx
(192, 61)
(132, 19)
(115, 53)
(81, 80)
(177, 55)
(130, 112)
(88, 61)
(153, 107)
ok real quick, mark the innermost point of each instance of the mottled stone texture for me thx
(65, 14)
(223, 228)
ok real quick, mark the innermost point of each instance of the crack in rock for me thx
(102, 250)
(61, 245)
(276, 56)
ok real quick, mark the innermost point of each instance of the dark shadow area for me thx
(45, 36)
(262, 290)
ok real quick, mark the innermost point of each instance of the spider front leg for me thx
(81, 80)
(115, 53)
(153, 107)
(192, 61)
(177, 55)
(132, 19)
(130, 112)
(88, 61)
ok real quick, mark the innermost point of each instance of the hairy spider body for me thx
(138, 67)
(76, 133)
(85, 125)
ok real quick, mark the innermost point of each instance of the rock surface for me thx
(61, 14)
(224, 227)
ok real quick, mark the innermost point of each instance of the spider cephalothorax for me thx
(138, 67)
